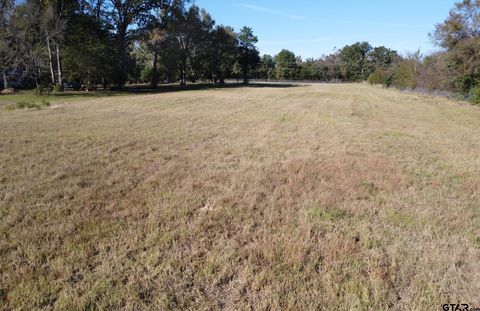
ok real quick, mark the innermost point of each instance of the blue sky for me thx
(311, 28)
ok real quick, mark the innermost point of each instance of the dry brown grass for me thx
(339, 197)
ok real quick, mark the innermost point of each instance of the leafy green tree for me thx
(223, 53)
(202, 37)
(87, 53)
(355, 64)
(248, 55)
(124, 14)
(406, 71)
(383, 57)
(126, 17)
(7, 51)
(188, 34)
(30, 50)
(154, 39)
(381, 61)
(266, 69)
(462, 23)
(459, 34)
(286, 64)
(309, 70)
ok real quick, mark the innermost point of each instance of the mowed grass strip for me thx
(307, 197)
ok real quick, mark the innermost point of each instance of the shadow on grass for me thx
(168, 88)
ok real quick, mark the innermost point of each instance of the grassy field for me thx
(306, 197)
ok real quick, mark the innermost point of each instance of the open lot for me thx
(281, 197)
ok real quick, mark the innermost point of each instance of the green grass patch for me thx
(400, 218)
(29, 105)
(330, 214)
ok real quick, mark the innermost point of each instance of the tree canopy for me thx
(49, 44)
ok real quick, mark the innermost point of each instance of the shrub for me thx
(475, 95)
(39, 90)
(57, 89)
(465, 84)
(404, 75)
(380, 76)
(146, 74)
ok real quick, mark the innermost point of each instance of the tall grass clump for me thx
(28, 105)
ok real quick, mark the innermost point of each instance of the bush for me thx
(146, 74)
(380, 76)
(404, 75)
(475, 95)
(465, 84)
(57, 89)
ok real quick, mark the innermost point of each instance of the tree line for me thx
(46, 43)
(85, 43)
(454, 69)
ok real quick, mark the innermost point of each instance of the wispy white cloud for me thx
(258, 8)
(272, 11)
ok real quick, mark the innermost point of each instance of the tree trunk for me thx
(193, 78)
(52, 74)
(59, 68)
(154, 69)
(104, 83)
(183, 79)
(183, 72)
(5, 80)
(245, 76)
(122, 46)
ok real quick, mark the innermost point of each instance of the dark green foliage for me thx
(464, 83)
(266, 69)
(91, 43)
(475, 95)
(355, 63)
(88, 52)
(223, 53)
(286, 65)
(382, 57)
(248, 55)
(309, 70)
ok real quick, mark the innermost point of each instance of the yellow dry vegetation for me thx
(270, 197)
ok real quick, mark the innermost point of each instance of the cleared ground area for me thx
(307, 197)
